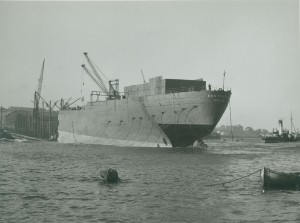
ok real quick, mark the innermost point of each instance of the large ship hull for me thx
(164, 120)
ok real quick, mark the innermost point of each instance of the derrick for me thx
(112, 91)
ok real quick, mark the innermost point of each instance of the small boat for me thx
(279, 180)
(282, 135)
(109, 176)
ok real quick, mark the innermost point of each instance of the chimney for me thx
(280, 126)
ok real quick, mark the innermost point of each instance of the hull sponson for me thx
(167, 120)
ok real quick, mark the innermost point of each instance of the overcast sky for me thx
(256, 42)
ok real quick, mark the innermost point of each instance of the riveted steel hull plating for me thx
(164, 120)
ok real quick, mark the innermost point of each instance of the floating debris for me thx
(109, 176)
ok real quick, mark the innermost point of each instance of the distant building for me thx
(249, 129)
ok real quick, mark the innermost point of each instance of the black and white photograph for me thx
(149, 111)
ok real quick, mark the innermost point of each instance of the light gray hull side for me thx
(135, 121)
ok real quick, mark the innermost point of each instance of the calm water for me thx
(51, 182)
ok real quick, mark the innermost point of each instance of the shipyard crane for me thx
(37, 94)
(143, 76)
(113, 91)
(37, 97)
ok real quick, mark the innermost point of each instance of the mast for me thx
(291, 123)
(230, 122)
(224, 78)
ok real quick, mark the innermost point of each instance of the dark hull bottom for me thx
(278, 140)
(185, 135)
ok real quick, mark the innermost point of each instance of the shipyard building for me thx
(24, 121)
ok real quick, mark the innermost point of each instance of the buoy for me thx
(109, 175)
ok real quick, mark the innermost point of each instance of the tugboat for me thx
(282, 135)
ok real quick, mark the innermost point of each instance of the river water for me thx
(52, 182)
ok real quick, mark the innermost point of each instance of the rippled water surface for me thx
(51, 182)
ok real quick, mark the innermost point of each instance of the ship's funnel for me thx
(280, 126)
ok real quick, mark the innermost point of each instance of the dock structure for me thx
(21, 120)
(38, 122)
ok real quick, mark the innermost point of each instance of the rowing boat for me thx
(279, 180)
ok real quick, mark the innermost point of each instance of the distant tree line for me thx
(239, 131)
